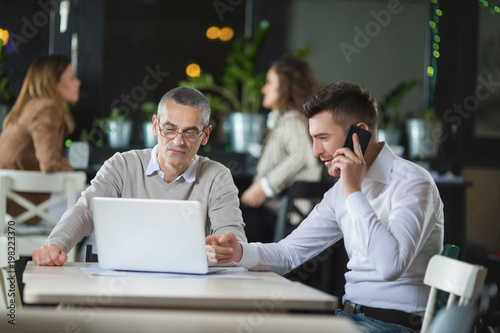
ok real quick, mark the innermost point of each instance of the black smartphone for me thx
(363, 135)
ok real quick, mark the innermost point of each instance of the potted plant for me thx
(79, 151)
(422, 144)
(118, 129)
(391, 118)
(238, 95)
(148, 109)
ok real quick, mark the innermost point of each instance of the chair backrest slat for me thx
(12, 181)
(462, 280)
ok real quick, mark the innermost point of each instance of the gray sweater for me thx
(123, 176)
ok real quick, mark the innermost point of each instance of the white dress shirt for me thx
(391, 229)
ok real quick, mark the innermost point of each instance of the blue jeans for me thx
(370, 325)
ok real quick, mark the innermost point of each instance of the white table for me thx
(173, 321)
(69, 285)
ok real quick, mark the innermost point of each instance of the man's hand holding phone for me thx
(349, 160)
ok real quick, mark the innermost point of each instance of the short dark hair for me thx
(296, 82)
(347, 102)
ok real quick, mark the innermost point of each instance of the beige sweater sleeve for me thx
(123, 175)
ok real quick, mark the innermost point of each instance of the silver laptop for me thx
(150, 235)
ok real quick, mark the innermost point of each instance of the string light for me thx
(430, 71)
(435, 39)
(492, 9)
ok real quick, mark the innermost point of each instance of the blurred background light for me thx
(226, 34)
(213, 33)
(193, 70)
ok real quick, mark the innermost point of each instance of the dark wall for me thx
(147, 46)
(459, 39)
(28, 26)
(130, 51)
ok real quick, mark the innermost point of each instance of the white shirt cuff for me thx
(249, 259)
(266, 187)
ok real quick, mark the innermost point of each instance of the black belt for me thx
(392, 316)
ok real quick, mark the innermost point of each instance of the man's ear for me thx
(155, 125)
(363, 126)
(206, 135)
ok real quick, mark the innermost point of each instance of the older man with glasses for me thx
(170, 170)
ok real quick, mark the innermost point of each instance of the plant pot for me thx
(246, 129)
(392, 138)
(4, 109)
(421, 145)
(79, 154)
(120, 133)
(150, 140)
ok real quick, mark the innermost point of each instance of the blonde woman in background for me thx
(35, 129)
(287, 154)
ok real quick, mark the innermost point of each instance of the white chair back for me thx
(12, 181)
(460, 279)
(67, 186)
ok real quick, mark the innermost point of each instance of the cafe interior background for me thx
(427, 59)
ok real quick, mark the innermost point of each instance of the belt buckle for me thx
(349, 307)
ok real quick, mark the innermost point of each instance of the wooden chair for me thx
(9, 291)
(460, 279)
(67, 186)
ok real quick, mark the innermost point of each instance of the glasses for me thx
(186, 136)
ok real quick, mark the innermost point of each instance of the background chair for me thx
(460, 279)
(450, 251)
(326, 270)
(467, 318)
(66, 186)
(312, 191)
(89, 255)
(9, 291)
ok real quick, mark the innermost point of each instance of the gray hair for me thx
(189, 97)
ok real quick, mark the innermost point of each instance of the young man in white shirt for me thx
(387, 209)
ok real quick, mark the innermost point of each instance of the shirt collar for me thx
(380, 170)
(189, 175)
